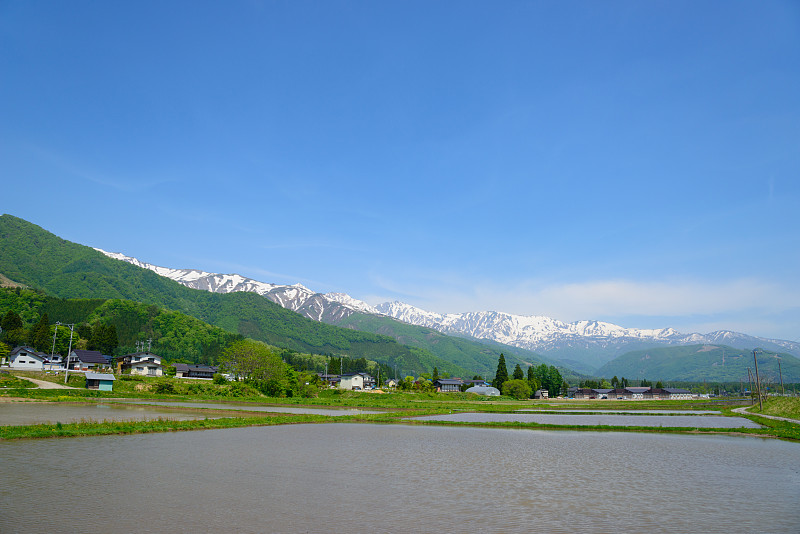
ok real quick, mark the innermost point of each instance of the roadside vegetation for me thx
(395, 407)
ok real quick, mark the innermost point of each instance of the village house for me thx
(25, 358)
(351, 381)
(85, 360)
(331, 380)
(141, 363)
(184, 370)
(391, 383)
(447, 384)
(356, 381)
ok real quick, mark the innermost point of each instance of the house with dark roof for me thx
(25, 358)
(84, 360)
(188, 370)
(447, 384)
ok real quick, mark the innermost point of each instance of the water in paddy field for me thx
(397, 478)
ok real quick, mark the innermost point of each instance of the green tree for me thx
(41, 337)
(4, 350)
(516, 388)
(554, 381)
(518, 374)
(533, 381)
(659, 385)
(252, 360)
(501, 375)
(435, 375)
(11, 321)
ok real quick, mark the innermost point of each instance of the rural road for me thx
(44, 384)
(744, 410)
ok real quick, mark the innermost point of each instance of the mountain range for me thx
(582, 345)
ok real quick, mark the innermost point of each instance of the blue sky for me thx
(632, 162)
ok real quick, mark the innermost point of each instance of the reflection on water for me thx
(398, 478)
(653, 412)
(693, 421)
(31, 413)
(256, 408)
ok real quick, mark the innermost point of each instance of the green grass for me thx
(93, 428)
(396, 407)
(12, 382)
(780, 407)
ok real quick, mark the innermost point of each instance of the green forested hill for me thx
(40, 260)
(700, 362)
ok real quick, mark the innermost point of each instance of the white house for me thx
(25, 358)
(352, 381)
(142, 363)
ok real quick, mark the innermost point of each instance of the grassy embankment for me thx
(396, 406)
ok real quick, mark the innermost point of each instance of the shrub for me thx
(518, 389)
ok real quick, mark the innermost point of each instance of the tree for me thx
(252, 360)
(518, 389)
(435, 375)
(554, 381)
(40, 336)
(518, 374)
(659, 385)
(615, 382)
(11, 321)
(533, 382)
(502, 373)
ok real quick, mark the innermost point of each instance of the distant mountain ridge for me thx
(583, 345)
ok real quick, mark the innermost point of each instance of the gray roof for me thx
(449, 381)
(99, 376)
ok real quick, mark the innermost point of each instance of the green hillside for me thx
(40, 260)
(700, 363)
(469, 354)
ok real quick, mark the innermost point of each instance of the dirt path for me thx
(744, 410)
(44, 384)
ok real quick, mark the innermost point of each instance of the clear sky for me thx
(636, 162)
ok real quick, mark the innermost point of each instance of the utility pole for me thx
(69, 350)
(53, 350)
(758, 385)
(750, 381)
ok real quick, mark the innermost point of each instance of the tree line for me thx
(522, 386)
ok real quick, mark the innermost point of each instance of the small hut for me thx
(100, 381)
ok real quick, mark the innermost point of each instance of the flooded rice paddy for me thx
(692, 421)
(399, 478)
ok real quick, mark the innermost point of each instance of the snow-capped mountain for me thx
(565, 340)
(582, 344)
(323, 307)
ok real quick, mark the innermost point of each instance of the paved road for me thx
(744, 410)
(44, 384)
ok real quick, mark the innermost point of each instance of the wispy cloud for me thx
(112, 180)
